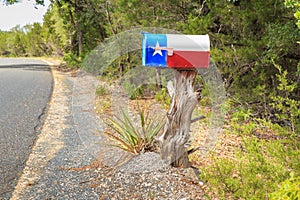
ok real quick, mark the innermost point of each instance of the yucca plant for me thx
(131, 135)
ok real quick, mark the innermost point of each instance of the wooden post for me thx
(175, 138)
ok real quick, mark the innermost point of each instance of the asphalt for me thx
(25, 89)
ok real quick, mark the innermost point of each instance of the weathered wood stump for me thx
(175, 138)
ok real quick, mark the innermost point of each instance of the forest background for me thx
(254, 44)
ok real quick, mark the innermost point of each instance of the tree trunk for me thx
(78, 11)
(121, 67)
(158, 78)
(72, 22)
(175, 138)
(79, 38)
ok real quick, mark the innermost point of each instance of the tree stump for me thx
(175, 138)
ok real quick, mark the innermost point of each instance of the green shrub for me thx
(241, 115)
(287, 106)
(256, 171)
(163, 97)
(132, 136)
(72, 60)
(101, 90)
(289, 189)
(132, 91)
(242, 122)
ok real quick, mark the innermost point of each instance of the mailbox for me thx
(175, 51)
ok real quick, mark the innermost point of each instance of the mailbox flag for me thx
(175, 51)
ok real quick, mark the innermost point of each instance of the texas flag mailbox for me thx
(175, 51)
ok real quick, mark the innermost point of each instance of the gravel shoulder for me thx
(69, 160)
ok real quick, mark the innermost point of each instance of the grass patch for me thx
(101, 91)
(103, 101)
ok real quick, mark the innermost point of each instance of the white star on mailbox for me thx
(157, 50)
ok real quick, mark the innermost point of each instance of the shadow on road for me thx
(31, 67)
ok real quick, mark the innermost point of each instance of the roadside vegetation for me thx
(255, 158)
(255, 45)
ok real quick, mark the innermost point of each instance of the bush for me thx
(258, 167)
(287, 107)
(101, 90)
(72, 60)
(289, 189)
(163, 97)
(133, 91)
(132, 136)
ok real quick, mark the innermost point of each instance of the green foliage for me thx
(244, 123)
(241, 115)
(295, 5)
(133, 91)
(163, 97)
(243, 46)
(265, 158)
(14, 42)
(287, 106)
(280, 41)
(289, 189)
(72, 60)
(241, 121)
(25, 41)
(134, 135)
(35, 42)
(151, 13)
(9, 2)
(256, 171)
(56, 26)
(101, 90)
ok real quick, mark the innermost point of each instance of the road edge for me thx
(40, 154)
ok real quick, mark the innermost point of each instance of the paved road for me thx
(25, 89)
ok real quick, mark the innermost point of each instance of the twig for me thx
(197, 119)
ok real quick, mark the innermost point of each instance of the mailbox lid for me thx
(176, 51)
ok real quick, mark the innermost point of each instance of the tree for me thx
(3, 44)
(35, 41)
(8, 2)
(15, 42)
(78, 23)
(245, 37)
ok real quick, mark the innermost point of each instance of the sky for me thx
(22, 13)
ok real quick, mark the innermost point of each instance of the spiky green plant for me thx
(134, 136)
